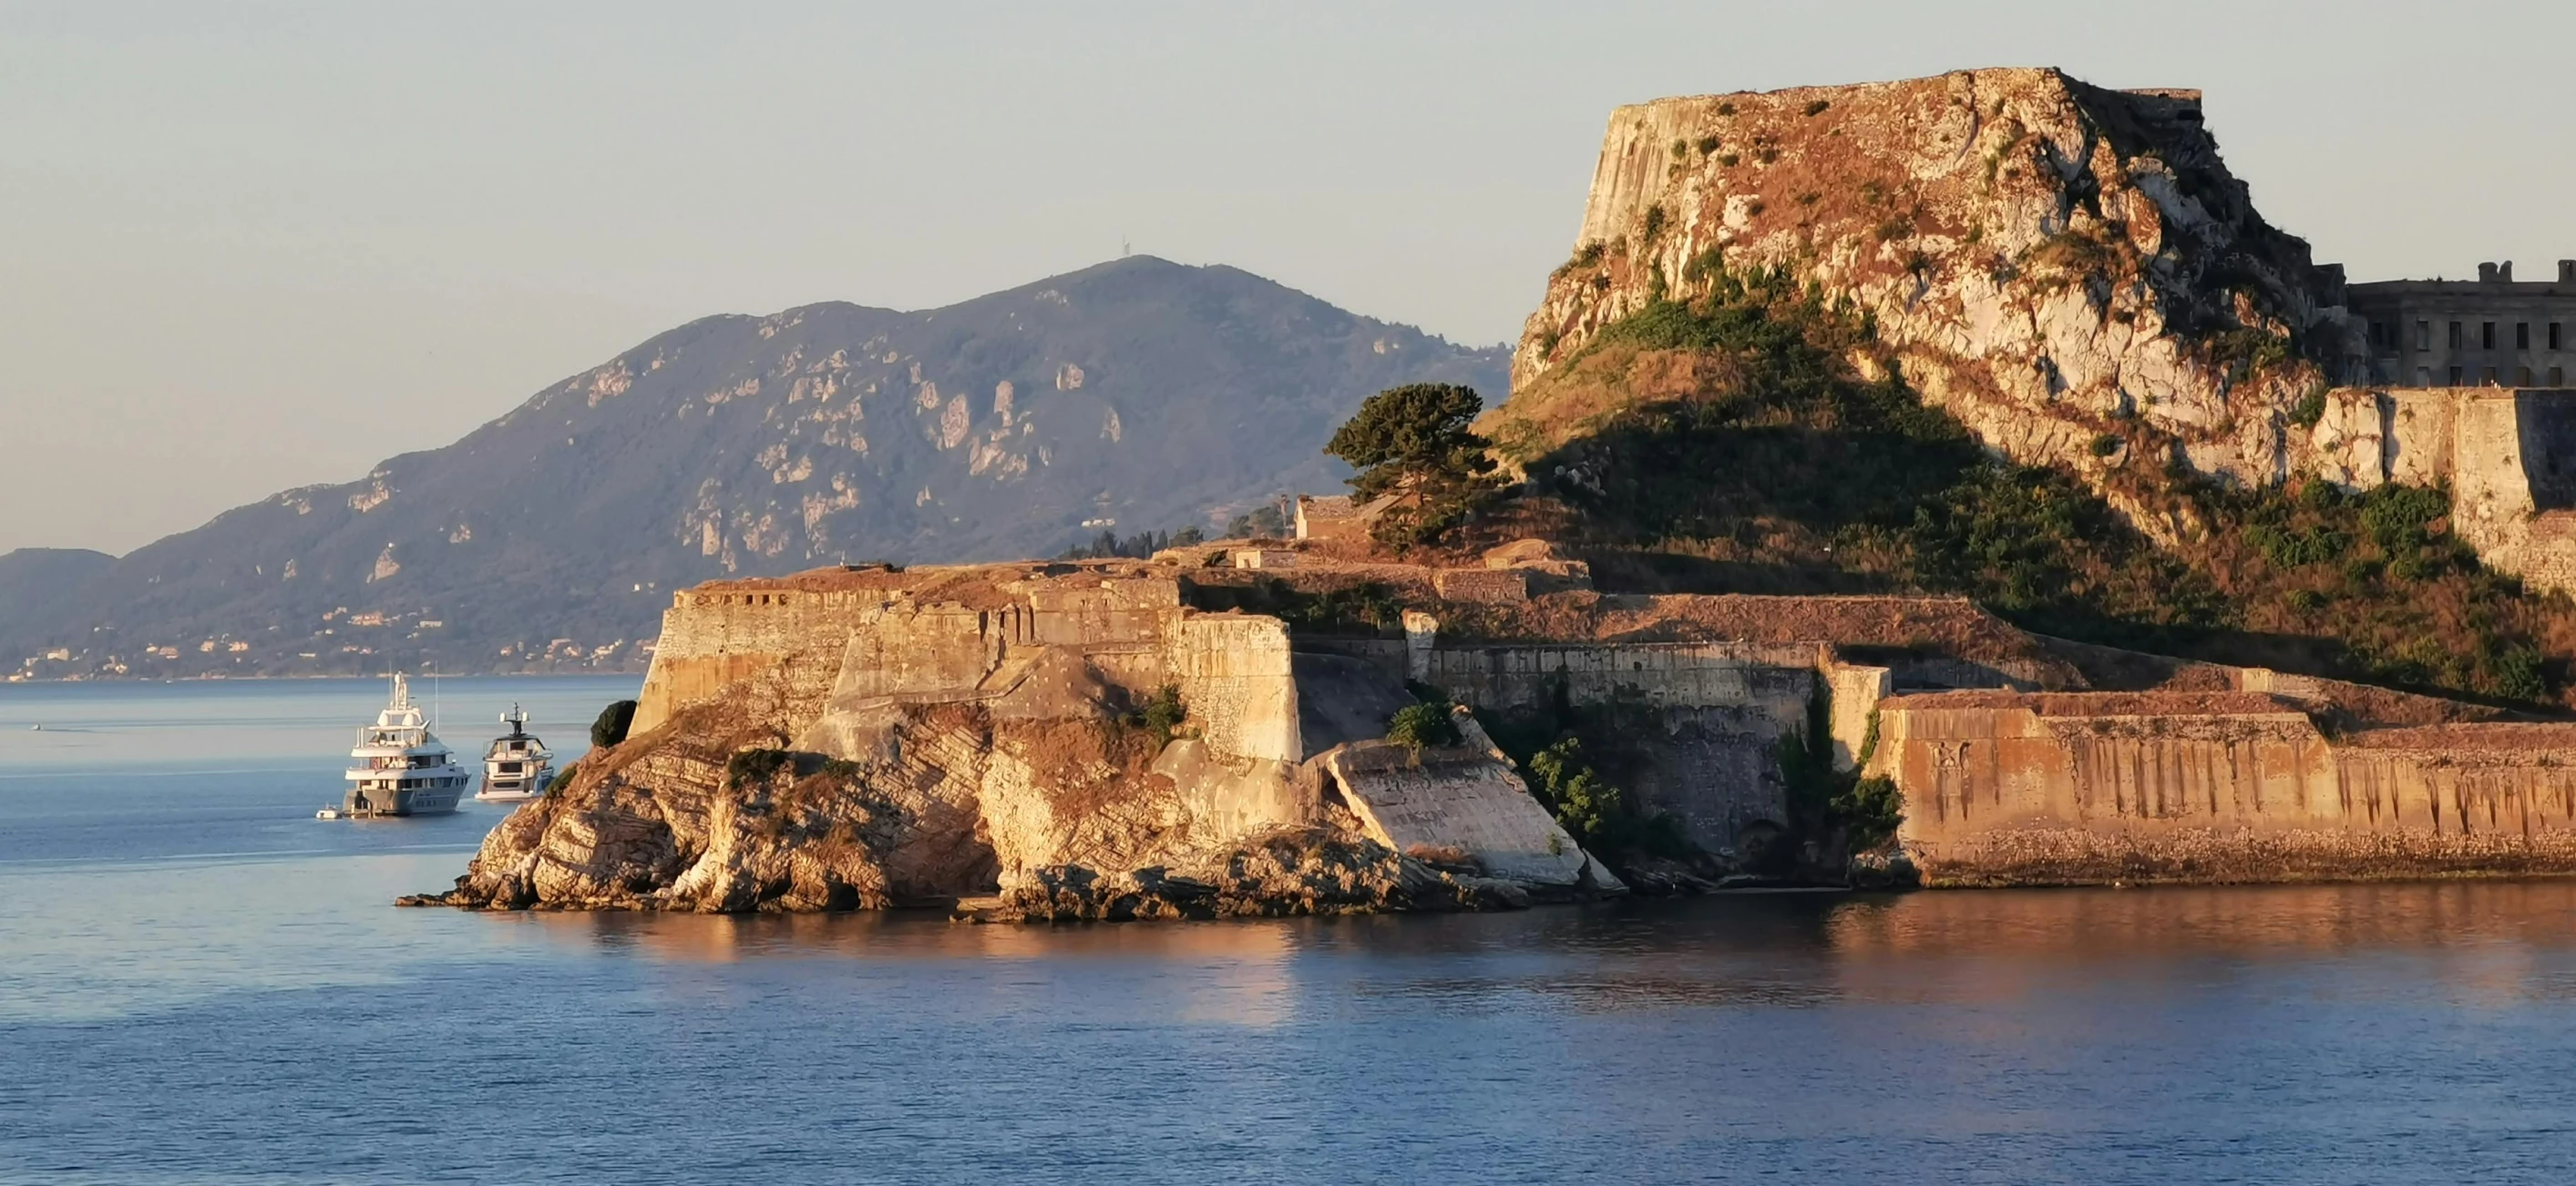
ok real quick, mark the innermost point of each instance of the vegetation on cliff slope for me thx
(1828, 805)
(1751, 438)
(1578, 760)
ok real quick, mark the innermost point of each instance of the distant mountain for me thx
(39, 583)
(1134, 395)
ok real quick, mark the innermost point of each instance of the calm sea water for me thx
(201, 983)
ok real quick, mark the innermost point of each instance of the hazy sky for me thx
(251, 246)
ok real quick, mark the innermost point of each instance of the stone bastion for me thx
(2019, 759)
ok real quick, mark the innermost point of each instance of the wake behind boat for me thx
(398, 767)
(517, 766)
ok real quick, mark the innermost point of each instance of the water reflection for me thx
(2491, 942)
(2235, 920)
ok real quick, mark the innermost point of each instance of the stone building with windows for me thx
(2493, 331)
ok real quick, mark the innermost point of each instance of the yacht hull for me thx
(402, 801)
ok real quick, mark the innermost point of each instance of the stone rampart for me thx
(1721, 709)
(1505, 677)
(2508, 456)
(715, 635)
(1234, 672)
(2227, 786)
(855, 653)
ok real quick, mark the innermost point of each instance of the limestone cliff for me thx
(2042, 258)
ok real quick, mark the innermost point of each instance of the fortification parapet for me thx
(2101, 787)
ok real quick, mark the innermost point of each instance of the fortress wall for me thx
(1716, 769)
(714, 638)
(1234, 673)
(1723, 708)
(2078, 789)
(1665, 674)
(1855, 691)
(2508, 455)
(935, 652)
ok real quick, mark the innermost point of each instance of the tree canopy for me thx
(612, 724)
(1413, 442)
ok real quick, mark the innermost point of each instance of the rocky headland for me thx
(1126, 740)
(1952, 481)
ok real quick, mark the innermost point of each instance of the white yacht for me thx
(398, 767)
(517, 767)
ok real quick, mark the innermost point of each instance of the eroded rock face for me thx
(2043, 258)
(669, 820)
(1292, 871)
(1039, 819)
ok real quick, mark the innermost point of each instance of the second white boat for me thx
(517, 766)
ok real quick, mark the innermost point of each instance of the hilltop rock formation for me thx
(1139, 393)
(2043, 258)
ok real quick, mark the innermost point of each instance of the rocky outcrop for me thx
(1291, 871)
(1066, 744)
(2042, 258)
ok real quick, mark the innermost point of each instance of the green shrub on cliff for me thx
(1824, 801)
(1574, 756)
(613, 722)
(751, 766)
(2310, 408)
(1160, 715)
(1416, 726)
(1870, 809)
(1584, 803)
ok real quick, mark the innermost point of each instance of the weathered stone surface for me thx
(2216, 786)
(2042, 257)
(1295, 871)
(2502, 453)
(1466, 799)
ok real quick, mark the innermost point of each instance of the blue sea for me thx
(200, 982)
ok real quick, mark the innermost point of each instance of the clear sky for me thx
(251, 246)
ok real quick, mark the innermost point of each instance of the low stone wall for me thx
(2091, 788)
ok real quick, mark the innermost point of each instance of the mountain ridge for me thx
(1137, 394)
